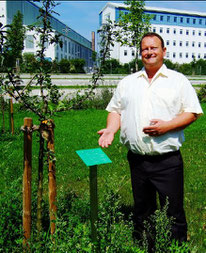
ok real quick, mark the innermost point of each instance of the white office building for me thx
(184, 32)
(74, 44)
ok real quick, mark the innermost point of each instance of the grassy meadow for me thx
(75, 130)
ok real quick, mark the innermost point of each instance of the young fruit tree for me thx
(14, 44)
(43, 105)
(131, 25)
(47, 103)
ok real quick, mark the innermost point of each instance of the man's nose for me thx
(150, 50)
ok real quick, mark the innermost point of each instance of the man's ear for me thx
(164, 51)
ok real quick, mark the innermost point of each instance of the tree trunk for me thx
(52, 178)
(3, 119)
(40, 185)
(136, 60)
(11, 113)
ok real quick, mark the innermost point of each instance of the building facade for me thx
(74, 45)
(184, 32)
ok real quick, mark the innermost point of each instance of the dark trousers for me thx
(162, 174)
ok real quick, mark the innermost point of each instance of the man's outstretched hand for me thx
(106, 137)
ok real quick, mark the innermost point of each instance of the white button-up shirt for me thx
(138, 102)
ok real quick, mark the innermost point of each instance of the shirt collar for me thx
(162, 71)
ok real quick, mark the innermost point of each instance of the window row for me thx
(186, 55)
(69, 47)
(179, 31)
(126, 53)
(176, 19)
(186, 43)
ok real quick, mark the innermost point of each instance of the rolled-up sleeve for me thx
(115, 103)
(190, 102)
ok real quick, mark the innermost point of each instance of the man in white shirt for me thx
(152, 107)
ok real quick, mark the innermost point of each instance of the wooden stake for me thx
(52, 178)
(40, 186)
(27, 179)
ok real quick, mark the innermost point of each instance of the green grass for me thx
(78, 130)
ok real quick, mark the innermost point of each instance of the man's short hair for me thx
(152, 34)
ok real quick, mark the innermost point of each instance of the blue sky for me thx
(83, 16)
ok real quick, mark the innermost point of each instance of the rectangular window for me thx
(181, 31)
(205, 33)
(154, 17)
(29, 41)
(175, 19)
(161, 30)
(174, 55)
(75, 48)
(205, 44)
(200, 21)
(133, 54)
(174, 42)
(187, 43)
(69, 47)
(181, 19)
(174, 31)
(72, 48)
(57, 56)
(154, 29)
(168, 30)
(125, 52)
(187, 32)
(107, 17)
(168, 42)
(198, 56)
(65, 46)
(193, 55)
(193, 32)
(161, 18)
(168, 55)
(204, 56)
(168, 18)
(193, 44)
(199, 33)
(180, 43)
(194, 21)
(186, 55)
(188, 20)
(199, 44)
(180, 54)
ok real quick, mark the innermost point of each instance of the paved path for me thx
(110, 81)
(85, 79)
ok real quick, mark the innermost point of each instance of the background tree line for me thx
(30, 63)
(113, 66)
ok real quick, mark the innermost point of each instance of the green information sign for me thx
(93, 157)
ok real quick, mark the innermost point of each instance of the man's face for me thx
(152, 52)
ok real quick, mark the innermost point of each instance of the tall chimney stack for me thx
(93, 41)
